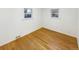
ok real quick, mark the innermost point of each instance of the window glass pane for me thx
(27, 10)
(27, 15)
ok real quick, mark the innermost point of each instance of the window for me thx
(55, 13)
(27, 13)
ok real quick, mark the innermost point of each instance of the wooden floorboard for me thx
(43, 39)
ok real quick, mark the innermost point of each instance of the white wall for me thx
(25, 26)
(66, 23)
(6, 25)
(78, 25)
(13, 24)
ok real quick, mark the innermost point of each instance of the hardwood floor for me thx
(43, 39)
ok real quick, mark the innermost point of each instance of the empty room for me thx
(39, 28)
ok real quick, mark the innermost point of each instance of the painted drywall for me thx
(25, 26)
(12, 23)
(66, 23)
(78, 26)
(6, 25)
